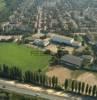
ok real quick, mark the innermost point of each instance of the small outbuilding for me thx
(41, 43)
(89, 58)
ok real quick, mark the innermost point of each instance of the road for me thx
(26, 91)
(39, 19)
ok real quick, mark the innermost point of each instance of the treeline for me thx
(11, 5)
(30, 77)
(41, 79)
(80, 88)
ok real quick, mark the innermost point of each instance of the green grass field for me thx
(26, 58)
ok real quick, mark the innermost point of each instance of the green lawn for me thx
(26, 58)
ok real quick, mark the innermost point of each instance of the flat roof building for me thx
(62, 39)
(72, 61)
(76, 44)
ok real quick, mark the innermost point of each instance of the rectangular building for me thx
(71, 61)
(62, 40)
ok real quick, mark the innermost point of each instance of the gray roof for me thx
(90, 37)
(61, 39)
(72, 59)
(87, 57)
(76, 44)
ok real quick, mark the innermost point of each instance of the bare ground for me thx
(64, 73)
(89, 78)
(60, 72)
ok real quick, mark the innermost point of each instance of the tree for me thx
(49, 82)
(87, 89)
(37, 77)
(94, 90)
(47, 52)
(54, 60)
(53, 81)
(43, 80)
(79, 87)
(5, 71)
(83, 87)
(28, 77)
(20, 76)
(90, 90)
(76, 86)
(0, 71)
(60, 52)
(83, 43)
(73, 85)
(66, 84)
(56, 82)
(15, 73)
(72, 26)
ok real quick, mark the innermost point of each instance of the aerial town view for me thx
(48, 49)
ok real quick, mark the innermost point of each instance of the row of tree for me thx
(80, 87)
(37, 78)
(40, 79)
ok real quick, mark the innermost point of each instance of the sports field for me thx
(23, 57)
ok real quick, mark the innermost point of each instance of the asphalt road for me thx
(17, 89)
(24, 91)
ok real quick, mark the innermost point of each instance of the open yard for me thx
(26, 58)
(64, 73)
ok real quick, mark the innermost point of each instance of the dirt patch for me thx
(64, 73)
(88, 78)
(69, 49)
(52, 48)
(61, 72)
